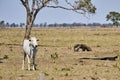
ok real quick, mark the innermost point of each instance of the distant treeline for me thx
(4, 24)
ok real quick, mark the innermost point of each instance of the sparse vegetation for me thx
(69, 65)
(117, 66)
(46, 74)
(5, 57)
(54, 56)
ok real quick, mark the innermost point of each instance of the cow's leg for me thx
(28, 57)
(23, 63)
(33, 62)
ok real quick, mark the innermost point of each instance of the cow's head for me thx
(33, 42)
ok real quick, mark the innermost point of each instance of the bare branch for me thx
(33, 6)
(69, 3)
(39, 7)
(23, 2)
(72, 9)
(26, 5)
(59, 7)
(45, 2)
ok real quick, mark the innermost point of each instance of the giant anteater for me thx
(84, 47)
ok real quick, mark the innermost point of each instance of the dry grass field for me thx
(99, 64)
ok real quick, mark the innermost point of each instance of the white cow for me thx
(30, 50)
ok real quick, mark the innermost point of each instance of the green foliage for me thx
(117, 66)
(5, 57)
(85, 5)
(79, 6)
(118, 58)
(46, 74)
(54, 56)
(1, 77)
(114, 17)
(52, 78)
(22, 75)
(65, 69)
(11, 48)
(66, 74)
(55, 1)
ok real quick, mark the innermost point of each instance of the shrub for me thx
(54, 56)
(5, 57)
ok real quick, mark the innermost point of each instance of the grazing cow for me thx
(82, 46)
(30, 50)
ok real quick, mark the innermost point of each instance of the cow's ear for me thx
(37, 39)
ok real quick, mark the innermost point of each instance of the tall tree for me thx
(34, 6)
(114, 17)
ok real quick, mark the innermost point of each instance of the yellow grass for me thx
(105, 42)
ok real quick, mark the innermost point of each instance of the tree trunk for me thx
(29, 24)
(28, 31)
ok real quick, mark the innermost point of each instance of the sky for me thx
(14, 12)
